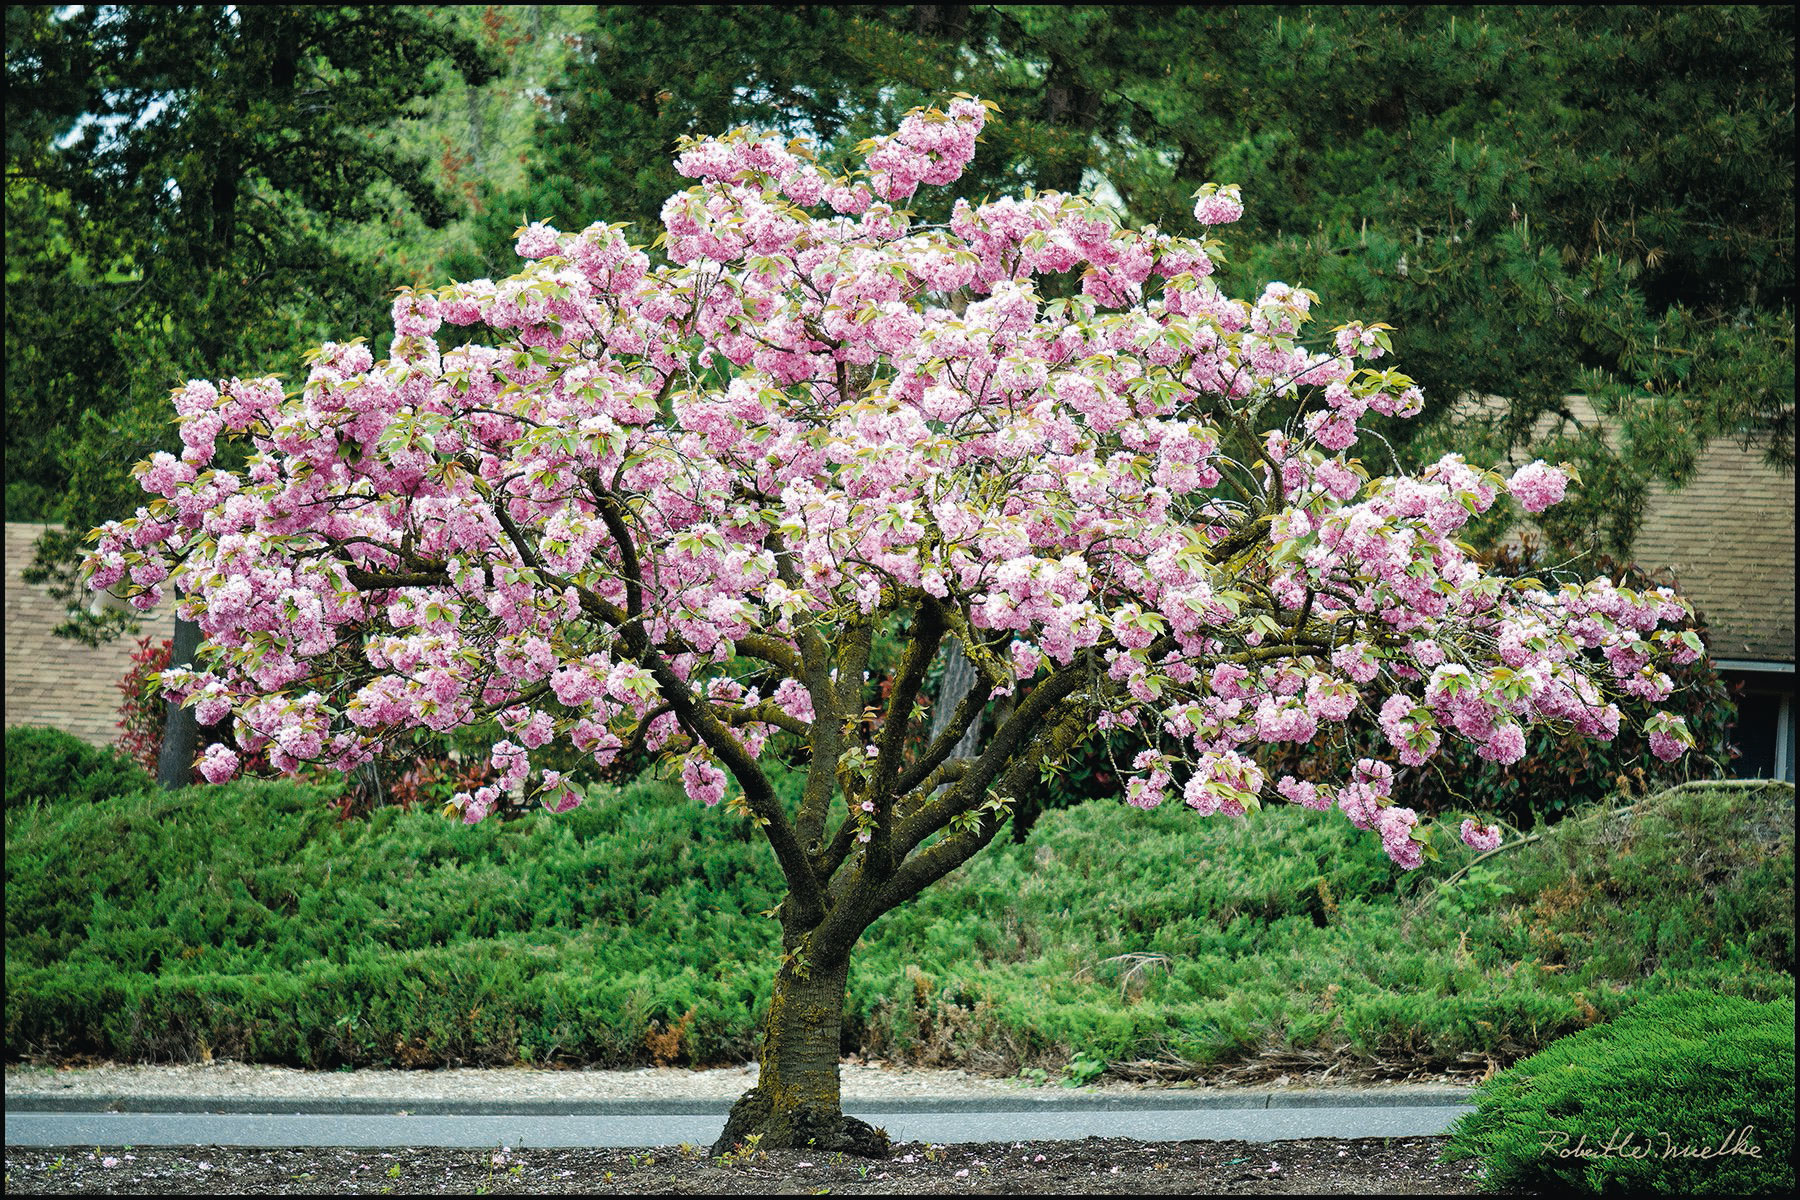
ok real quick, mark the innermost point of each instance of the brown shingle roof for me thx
(1728, 538)
(54, 681)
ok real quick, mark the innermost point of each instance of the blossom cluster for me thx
(640, 489)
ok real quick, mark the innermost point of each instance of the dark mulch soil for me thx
(1324, 1166)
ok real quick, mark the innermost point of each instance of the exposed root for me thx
(819, 1128)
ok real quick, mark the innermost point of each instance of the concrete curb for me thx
(1368, 1098)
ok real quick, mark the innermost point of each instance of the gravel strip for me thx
(861, 1082)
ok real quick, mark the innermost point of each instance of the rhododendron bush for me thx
(671, 506)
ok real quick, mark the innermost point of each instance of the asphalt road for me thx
(993, 1123)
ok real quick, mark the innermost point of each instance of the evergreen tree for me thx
(178, 181)
(646, 76)
(1590, 200)
(1595, 200)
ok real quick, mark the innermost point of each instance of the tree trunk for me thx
(959, 677)
(795, 1104)
(181, 730)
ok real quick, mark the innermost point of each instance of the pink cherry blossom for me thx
(664, 503)
(1537, 486)
(1219, 207)
(1480, 837)
(219, 763)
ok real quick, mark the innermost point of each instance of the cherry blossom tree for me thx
(671, 507)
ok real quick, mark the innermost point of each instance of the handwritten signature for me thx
(1626, 1144)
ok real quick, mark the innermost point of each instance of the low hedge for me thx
(1686, 1094)
(48, 766)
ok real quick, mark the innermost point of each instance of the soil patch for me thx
(1324, 1166)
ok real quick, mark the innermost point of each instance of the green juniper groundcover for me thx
(249, 921)
(1686, 1094)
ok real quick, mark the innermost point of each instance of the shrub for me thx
(142, 711)
(1611, 1109)
(48, 765)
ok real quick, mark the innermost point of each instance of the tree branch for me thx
(927, 632)
(967, 709)
(608, 506)
(364, 580)
(768, 712)
(1243, 537)
(847, 920)
(1026, 721)
(827, 737)
(773, 651)
(699, 720)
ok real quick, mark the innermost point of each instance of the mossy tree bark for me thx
(796, 1103)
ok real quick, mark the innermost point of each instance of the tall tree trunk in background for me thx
(959, 677)
(478, 158)
(946, 21)
(1068, 104)
(181, 730)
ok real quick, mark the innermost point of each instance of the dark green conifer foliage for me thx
(1544, 202)
(176, 180)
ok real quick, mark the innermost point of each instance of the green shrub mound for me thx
(47, 766)
(1687, 1094)
(248, 921)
